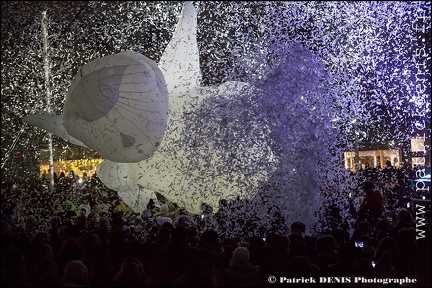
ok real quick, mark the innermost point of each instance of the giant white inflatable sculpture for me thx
(170, 171)
(117, 105)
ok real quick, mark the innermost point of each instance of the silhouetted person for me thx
(372, 206)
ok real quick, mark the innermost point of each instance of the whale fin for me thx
(180, 61)
(53, 124)
(120, 177)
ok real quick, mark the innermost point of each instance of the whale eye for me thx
(127, 140)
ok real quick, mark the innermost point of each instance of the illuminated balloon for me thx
(169, 171)
(116, 105)
(119, 106)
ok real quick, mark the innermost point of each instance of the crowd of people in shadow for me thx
(104, 244)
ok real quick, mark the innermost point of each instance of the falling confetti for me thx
(355, 68)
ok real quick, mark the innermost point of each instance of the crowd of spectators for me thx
(83, 235)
